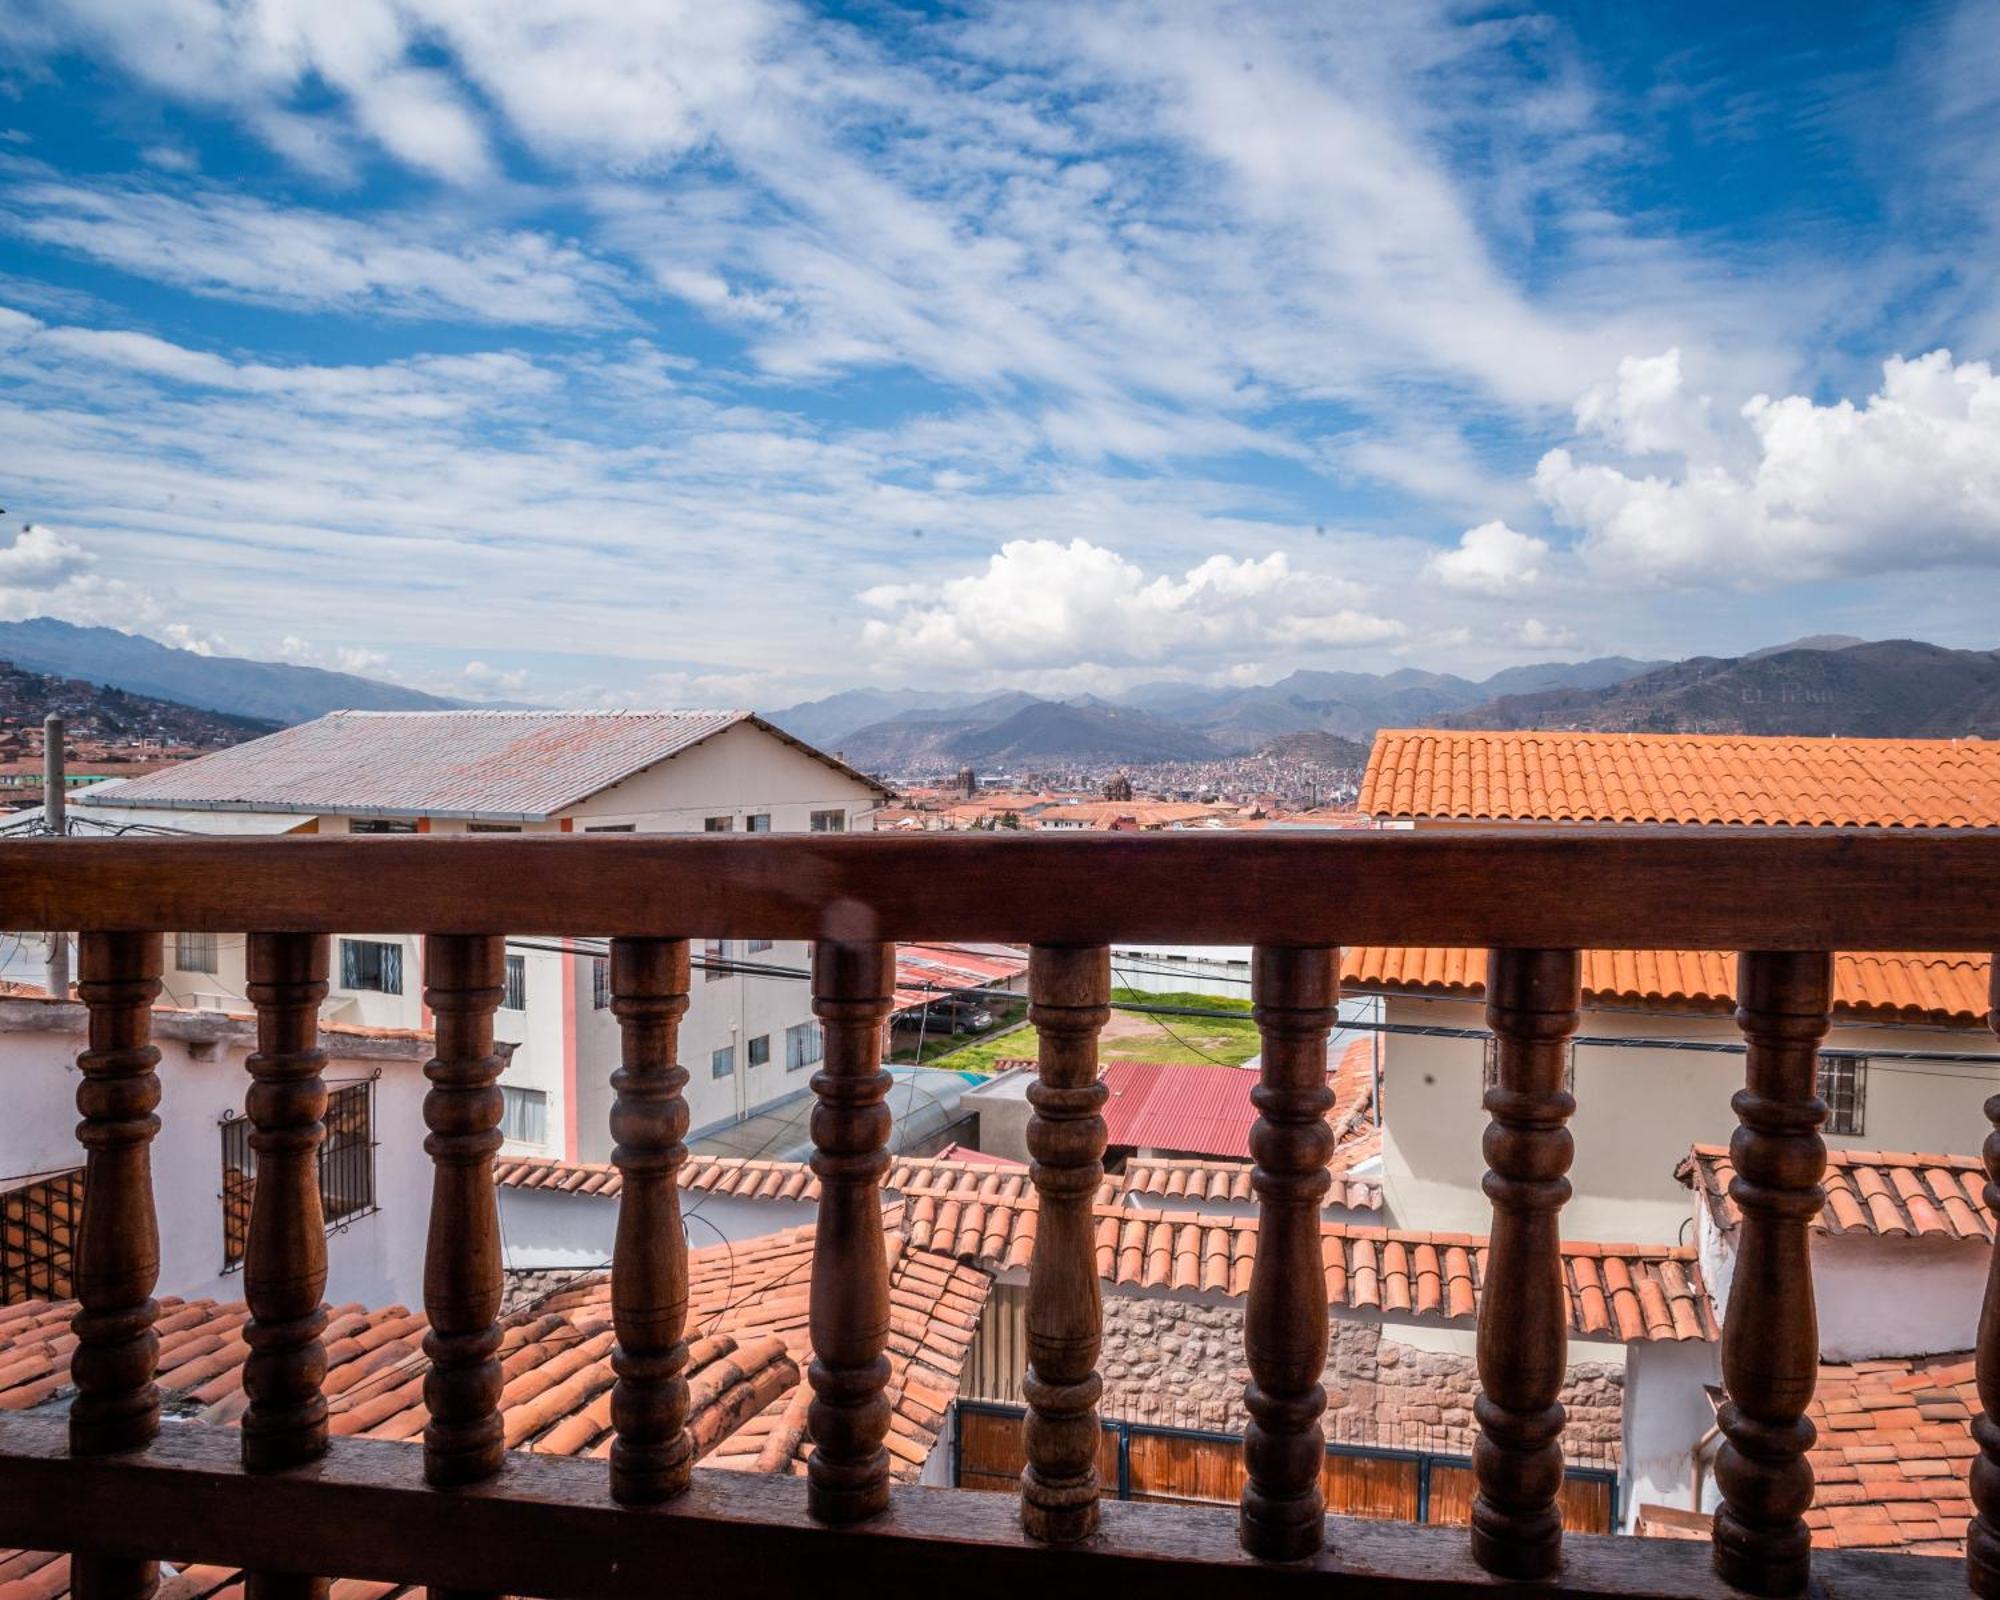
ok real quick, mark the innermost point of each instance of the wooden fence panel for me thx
(1383, 1487)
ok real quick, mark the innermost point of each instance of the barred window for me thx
(195, 952)
(1843, 1085)
(38, 1223)
(346, 1168)
(600, 983)
(514, 996)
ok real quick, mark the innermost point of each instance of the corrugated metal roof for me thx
(1198, 1111)
(1885, 985)
(511, 766)
(1683, 778)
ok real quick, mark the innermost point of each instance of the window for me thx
(378, 825)
(346, 1167)
(600, 983)
(1843, 1085)
(1489, 1074)
(524, 1115)
(614, 827)
(754, 946)
(804, 1044)
(195, 952)
(718, 825)
(493, 827)
(760, 1050)
(714, 952)
(38, 1224)
(514, 995)
(722, 1063)
(758, 822)
(829, 822)
(369, 964)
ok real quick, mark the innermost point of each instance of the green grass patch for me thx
(1131, 1036)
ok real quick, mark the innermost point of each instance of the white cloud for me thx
(335, 658)
(214, 243)
(40, 558)
(1490, 559)
(1041, 604)
(1647, 409)
(1908, 480)
(183, 637)
(480, 679)
(170, 158)
(1535, 634)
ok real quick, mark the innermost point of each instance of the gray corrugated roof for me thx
(509, 765)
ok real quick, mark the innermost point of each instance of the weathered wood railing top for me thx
(283, 1500)
(1563, 887)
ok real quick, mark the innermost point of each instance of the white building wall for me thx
(1666, 1415)
(375, 1260)
(1638, 1110)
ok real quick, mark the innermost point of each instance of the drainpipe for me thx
(55, 817)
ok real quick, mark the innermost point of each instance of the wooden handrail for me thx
(1606, 888)
(1293, 900)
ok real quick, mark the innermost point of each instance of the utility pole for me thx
(55, 817)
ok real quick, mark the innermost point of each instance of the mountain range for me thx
(1162, 721)
(1890, 689)
(272, 691)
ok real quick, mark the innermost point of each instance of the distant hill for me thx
(92, 711)
(275, 691)
(1893, 689)
(1327, 749)
(1015, 729)
(892, 725)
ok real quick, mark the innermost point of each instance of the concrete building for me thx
(376, 1178)
(748, 1040)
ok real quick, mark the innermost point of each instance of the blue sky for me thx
(674, 352)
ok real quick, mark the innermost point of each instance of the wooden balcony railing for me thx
(291, 1506)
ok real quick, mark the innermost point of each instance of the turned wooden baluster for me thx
(1770, 1340)
(1982, 1539)
(463, 978)
(1296, 996)
(848, 1474)
(117, 1261)
(284, 1267)
(1531, 1006)
(652, 1456)
(1069, 990)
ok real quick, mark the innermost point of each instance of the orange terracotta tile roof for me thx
(748, 1349)
(1210, 1182)
(1893, 986)
(1682, 778)
(756, 1178)
(1896, 1193)
(1894, 1448)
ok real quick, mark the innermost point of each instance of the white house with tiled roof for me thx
(748, 1040)
(1908, 1062)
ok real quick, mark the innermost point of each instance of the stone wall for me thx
(1180, 1365)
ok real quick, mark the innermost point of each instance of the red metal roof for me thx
(927, 972)
(1162, 1105)
(515, 766)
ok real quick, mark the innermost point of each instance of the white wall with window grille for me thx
(1843, 1085)
(346, 1166)
(197, 952)
(371, 964)
(514, 995)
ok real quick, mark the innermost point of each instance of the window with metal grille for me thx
(371, 964)
(195, 952)
(829, 822)
(514, 995)
(1843, 1085)
(38, 1223)
(1490, 1069)
(346, 1168)
(524, 1115)
(600, 983)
